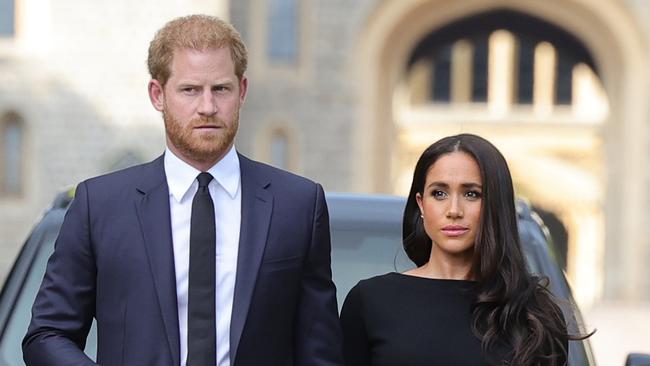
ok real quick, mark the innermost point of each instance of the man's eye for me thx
(221, 88)
(188, 90)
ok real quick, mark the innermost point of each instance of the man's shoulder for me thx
(130, 176)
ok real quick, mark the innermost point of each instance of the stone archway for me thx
(608, 32)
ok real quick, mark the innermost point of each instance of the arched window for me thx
(282, 42)
(276, 144)
(502, 58)
(11, 159)
(279, 149)
(7, 18)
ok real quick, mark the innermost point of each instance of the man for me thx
(132, 250)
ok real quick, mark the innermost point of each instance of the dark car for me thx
(366, 241)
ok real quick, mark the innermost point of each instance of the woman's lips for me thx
(454, 230)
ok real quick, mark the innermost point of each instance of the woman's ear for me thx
(418, 199)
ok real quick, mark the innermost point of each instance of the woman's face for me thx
(451, 204)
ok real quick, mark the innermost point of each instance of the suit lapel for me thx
(155, 223)
(257, 205)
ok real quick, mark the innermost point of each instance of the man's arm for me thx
(64, 307)
(318, 338)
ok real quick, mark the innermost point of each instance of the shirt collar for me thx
(181, 176)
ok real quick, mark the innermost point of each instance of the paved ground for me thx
(621, 329)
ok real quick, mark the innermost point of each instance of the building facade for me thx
(349, 94)
(73, 99)
(559, 87)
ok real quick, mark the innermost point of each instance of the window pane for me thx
(7, 21)
(480, 69)
(282, 33)
(279, 151)
(12, 157)
(526, 75)
(442, 75)
(364, 253)
(564, 80)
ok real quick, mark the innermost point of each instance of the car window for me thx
(17, 324)
(363, 253)
(10, 345)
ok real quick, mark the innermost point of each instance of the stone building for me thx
(73, 98)
(559, 87)
(349, 93)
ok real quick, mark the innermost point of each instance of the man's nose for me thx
(208, 104)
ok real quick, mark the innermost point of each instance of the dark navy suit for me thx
(114, 261)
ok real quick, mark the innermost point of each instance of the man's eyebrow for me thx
(185, 84)
(224, 83)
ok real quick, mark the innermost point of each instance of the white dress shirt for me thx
(226, 194)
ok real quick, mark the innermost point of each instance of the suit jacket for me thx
(113, 261)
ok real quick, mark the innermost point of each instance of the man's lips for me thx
(454, 230)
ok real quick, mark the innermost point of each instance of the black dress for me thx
(402, 320)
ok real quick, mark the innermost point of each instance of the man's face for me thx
(200, 104)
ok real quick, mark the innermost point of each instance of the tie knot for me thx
(204, 179)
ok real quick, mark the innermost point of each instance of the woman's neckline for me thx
(450, 280)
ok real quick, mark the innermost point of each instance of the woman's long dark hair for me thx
(512, 307)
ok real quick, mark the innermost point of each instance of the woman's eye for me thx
(438, 194)
(473, 194)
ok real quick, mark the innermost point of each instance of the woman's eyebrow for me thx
(438, 184)
(472, 185)
(464, 185)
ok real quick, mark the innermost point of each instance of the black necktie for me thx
(201, 328)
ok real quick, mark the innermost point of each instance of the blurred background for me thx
(349, 93)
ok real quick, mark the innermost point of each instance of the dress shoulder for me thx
(375, 281)
(372, 285)
(364, 292)
(355, 321)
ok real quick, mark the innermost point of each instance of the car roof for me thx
(355, 211)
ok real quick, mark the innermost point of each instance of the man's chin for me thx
(203, 151)
(206, 155)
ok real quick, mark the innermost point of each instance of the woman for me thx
(471, 300)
